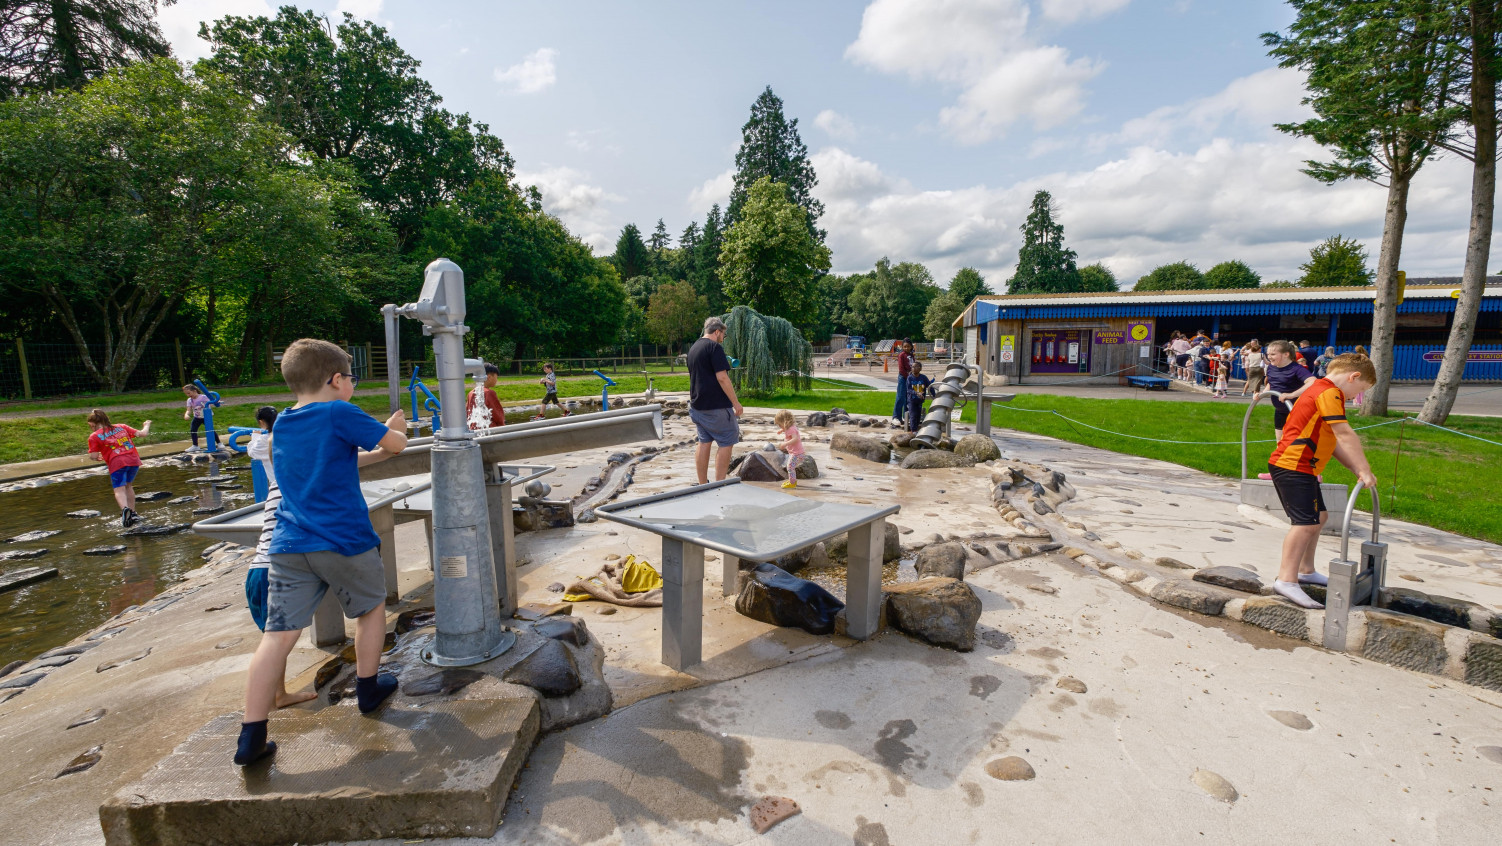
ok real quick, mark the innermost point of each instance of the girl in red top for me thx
(115, 445)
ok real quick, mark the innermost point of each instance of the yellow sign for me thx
(1008, 341)
(1455, 294)
(1140, 332)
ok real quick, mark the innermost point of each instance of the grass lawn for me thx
(32, 438)
(1441, 480)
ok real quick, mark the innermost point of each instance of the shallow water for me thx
(90, 589)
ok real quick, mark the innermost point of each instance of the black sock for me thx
(253, 744)
(371, 691)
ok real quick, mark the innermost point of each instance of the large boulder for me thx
(901, 439)
(773, 595)
(928, 459)
(771, 466)
(817, 418)
(946, 560)
(861, 447)
(809, 556)
(978, 448)
(891, 547)
(941, 611)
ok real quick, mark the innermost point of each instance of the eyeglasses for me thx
(354, 381)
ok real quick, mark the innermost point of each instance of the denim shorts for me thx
(717, 424)
(124, 476)
(300, 579)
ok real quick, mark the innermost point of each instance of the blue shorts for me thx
(124, 476)
(717, 424)
(257, 586)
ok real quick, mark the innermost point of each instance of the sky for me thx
(930, 123)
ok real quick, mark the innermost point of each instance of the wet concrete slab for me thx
(444, 770)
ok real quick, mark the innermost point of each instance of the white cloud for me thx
(533, 74)
(1069, 11)
(716, 189)
(366, 9)
(583, 207)
(835, 125)
(591, 141)
(1215, 199)
(982, 48)
(179, 22)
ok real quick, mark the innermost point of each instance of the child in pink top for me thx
(792, 444)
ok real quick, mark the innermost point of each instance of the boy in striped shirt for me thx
(1316, 429)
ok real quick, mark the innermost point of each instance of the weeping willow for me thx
(771, 351)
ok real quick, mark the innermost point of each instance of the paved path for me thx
(1480, 400)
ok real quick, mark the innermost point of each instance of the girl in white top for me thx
(257, 583)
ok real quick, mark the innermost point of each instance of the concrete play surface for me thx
(1085, 713)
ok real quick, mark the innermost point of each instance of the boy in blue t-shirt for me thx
(323, 537)
(918, 387)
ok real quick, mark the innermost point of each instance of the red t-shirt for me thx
(117, 445)
(497, 411)
(904, 363)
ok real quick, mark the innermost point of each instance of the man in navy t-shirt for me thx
(712, 403)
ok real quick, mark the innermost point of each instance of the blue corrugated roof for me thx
(987, 311)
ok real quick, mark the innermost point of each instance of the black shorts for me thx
(551, 399)
(1300, 494)
(1182, 359)
(1280, 416)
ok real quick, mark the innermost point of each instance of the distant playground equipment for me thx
(1357, 581)
(605, 389)
(1260, 493)
(212, 439)
(431, 403)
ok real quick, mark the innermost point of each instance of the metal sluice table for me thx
(748, 523)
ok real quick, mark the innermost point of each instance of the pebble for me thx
(1072, 684)
(93, 716)
(772, 810)
(1048, 589)
(1292, 719)
(226, 644)
(612, 557)
(1215, 785)
(84, 761)
(556, 587)
(1409, 578)
(119, 662)
(220, 607)
(83, 513)
(1010, 768)
(605, 611)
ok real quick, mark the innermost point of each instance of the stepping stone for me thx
(152, 531)
(182, 500)
(83, 514)
(25, 576)
(105, 550)
(22, 554)
(28, 537)
(153, 496)
(1235, 578)
(84, 761)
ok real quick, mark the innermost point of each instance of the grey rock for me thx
(1277, 615)
(817, 418)
(900, 439)
(25, 576)
(54, 661)
(73, 649)
(1192, 596)
(977, 448)
(928, 459)
(93, 716)
(838, 548)
(151, 531)
(120, 662)
(568, 629)
(1172, 563)
(946, 560)
(550, 670)
(1235, 578)
(26, 680)
(1292, 719)
(864, 422)
(941, 611)
(153, 496)
(84, 761)
(809, 556)
(1403, 641)
(22, 554)
(28, 537)
(1440, 609)
(1483, 664)
(776, 597)
(83, 513)
(1041, 507)
(860, 447)
(182, 500)
(443, 682)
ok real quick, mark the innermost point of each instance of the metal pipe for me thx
(529, 440)
(1245, 421)
(393, 356)
(1345, 529)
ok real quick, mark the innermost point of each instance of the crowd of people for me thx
(1200, 360)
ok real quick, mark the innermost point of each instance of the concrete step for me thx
(443, 770)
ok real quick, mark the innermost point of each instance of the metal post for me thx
(464, 591)
(1354, 582)
(393, 352)
(730, 574)
(182, 373)
(863, 579)
(502, 539)
(25, 372)
(682, 603)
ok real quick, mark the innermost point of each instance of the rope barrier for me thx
(1181, 443)
(1453, 431)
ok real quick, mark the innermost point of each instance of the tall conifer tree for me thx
(771, 146)
(1044, 264)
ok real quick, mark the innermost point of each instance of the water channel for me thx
(90, 589)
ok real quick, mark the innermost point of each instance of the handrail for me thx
(1345, 529)
(1245, 422)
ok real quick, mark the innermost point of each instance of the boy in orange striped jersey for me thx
(1316, 429)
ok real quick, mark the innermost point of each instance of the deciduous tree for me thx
(770, 261)
(891, 301)
(1178, 276)
(1336, 262)
(1232, 274)
(676, 313)
(1097, 277)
